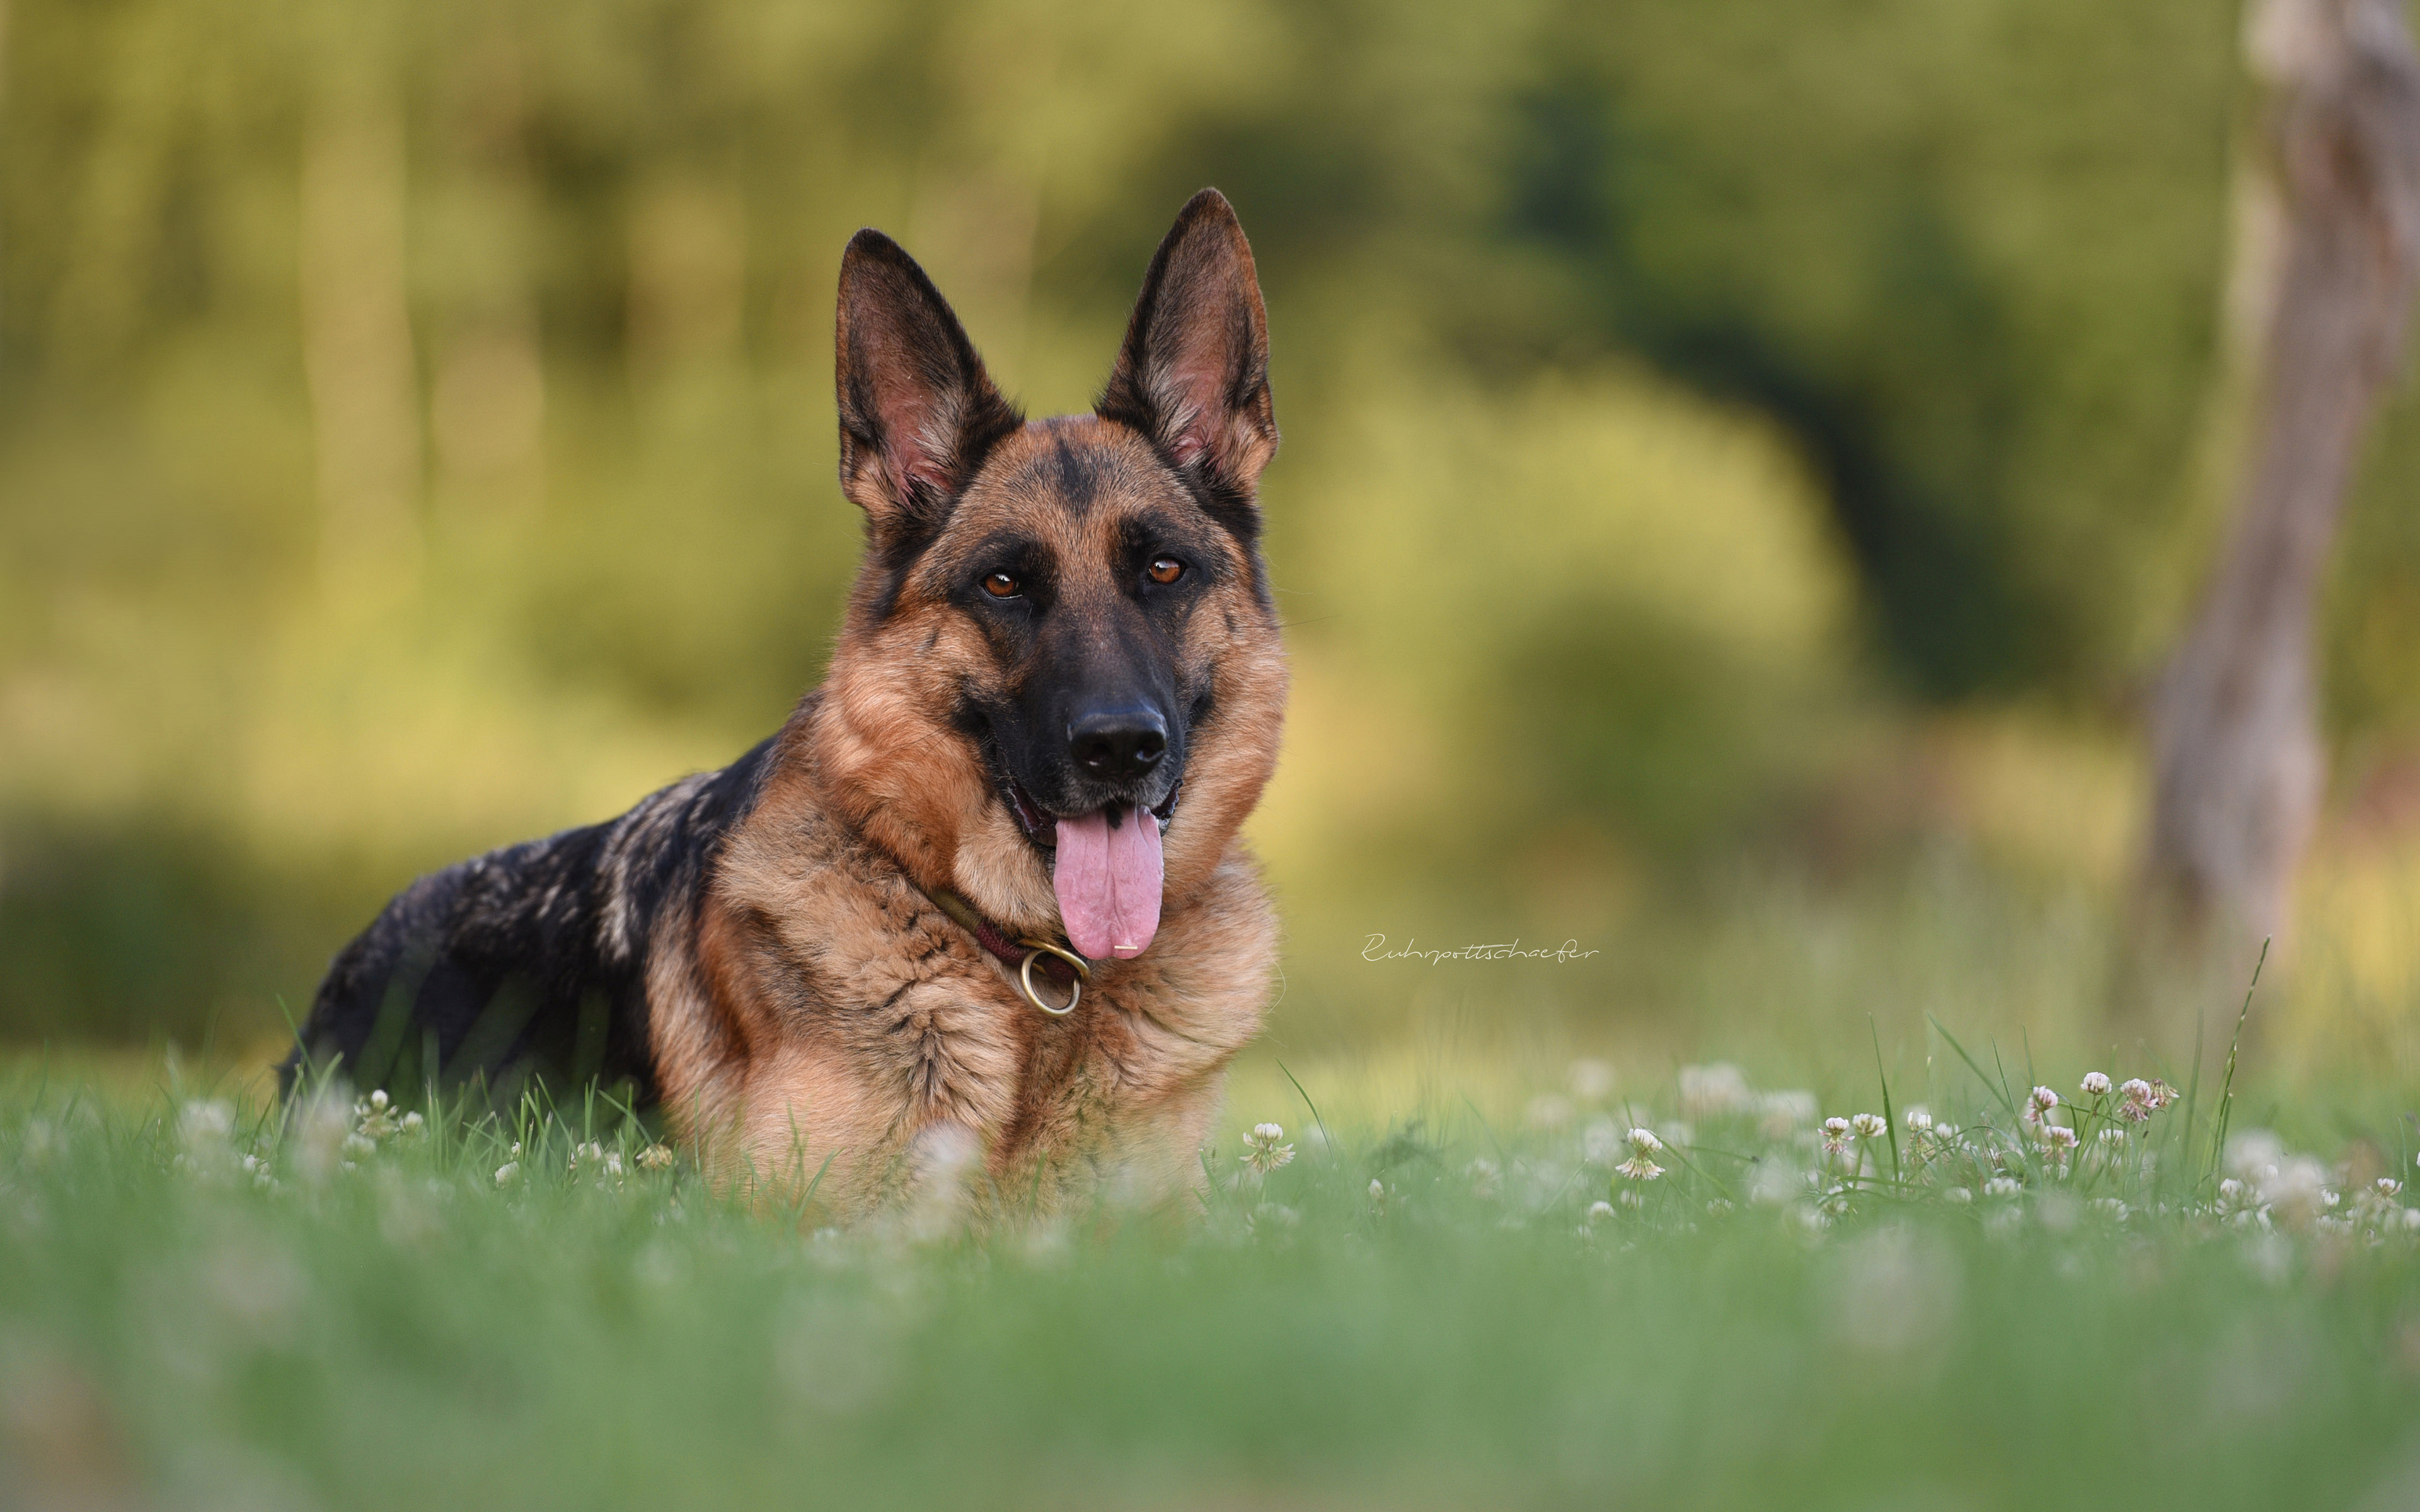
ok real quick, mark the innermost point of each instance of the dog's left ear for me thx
(1194, 372)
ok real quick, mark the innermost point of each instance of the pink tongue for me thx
(1109, 883)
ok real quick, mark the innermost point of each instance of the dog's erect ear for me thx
(1194, 372)
(917, 411)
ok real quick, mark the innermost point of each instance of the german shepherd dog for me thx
(983, 894)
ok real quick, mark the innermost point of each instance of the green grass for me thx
(405, 1331)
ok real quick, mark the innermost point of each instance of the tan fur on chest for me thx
(834, 1015)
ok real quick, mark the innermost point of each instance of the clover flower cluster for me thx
(376, 1120)
(2099, 1155)
(328, 1131)
(600, 1165)
(1266, 1149)
(2268, 1187)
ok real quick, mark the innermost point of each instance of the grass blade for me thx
(2227, 1085)
(1327, 1138)
(1890, 1120)
(2005, 1100)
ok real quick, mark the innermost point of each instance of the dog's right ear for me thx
(917, 410)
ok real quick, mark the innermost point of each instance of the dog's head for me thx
(1060, 685)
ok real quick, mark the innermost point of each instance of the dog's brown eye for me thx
(1166, 570)
(1000, 586)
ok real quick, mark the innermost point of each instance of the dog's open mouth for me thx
(1042, 827)
(1106, 868)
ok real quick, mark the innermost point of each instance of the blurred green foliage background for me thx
(1738, 456)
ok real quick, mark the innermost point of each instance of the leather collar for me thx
(1057, 963)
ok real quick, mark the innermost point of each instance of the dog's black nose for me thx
(1118, 743)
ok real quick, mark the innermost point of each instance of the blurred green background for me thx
(1743, 462)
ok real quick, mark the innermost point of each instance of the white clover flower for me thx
(1600, 1142)
(2376, 1202)
(1264, 1149)
(1628, 1197)
(1549, 1111)
(2251, 1153)
(2002, 1186)
(2039, 1105)
(2295, 1191)
(1958, 1196)
(1786, 1112)
(1714, 1091)
(1272, 1215)
(1835, 1137)
(1599, 1210)
(205, 1122)
(605, 1164)
(2096, 1083)
(654, 1158)
(510, 1172)
(1868, 1126)
(2113, 1137)
(1641, 1166)
(2059, 1137)
(2230, 1193)
(376, 1116)
(1918, 1121)
(2111, 1207)
(413, 1124)
(1771, 1183)
(1591, 1080)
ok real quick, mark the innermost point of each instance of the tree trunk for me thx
(2237, 759)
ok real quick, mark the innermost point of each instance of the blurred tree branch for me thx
(2238, 763)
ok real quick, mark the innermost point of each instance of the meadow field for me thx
(1746, 471)
(1461, 1271)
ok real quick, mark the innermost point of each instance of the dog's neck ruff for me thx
(1060, 965)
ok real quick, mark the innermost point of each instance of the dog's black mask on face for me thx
(1087, 597)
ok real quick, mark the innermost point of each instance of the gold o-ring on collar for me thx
(1033, 951)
